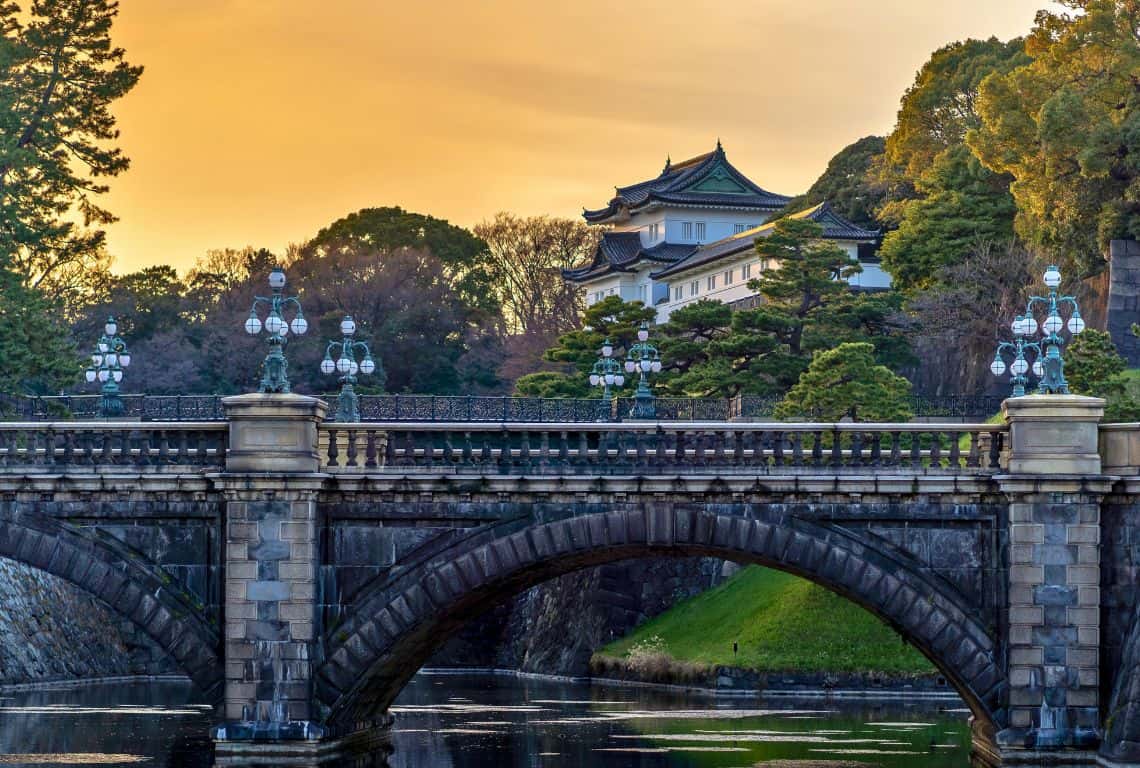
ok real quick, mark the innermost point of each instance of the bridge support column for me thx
(1052, 616)
(271, 563)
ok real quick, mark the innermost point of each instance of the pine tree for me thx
(59, 76)
(846, 382)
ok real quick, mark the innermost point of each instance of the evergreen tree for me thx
(710, 350)
(36, 355)
(1066, 126)
(577, 351)
(847, 383)
(59, 76)
(1093, 367)
(846, 184)
(936, 113)
(962, 204)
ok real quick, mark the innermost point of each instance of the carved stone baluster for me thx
(448, 452)
(49, 446)
(955, 450)
(389, 446)
(836, 448)
(876, 448)
(797, 449)
(817, 448)
(68, 456)
(504, 451)
(163, 447)
(334, 451)
(563, 449)
(582, 458)
(996, 444)
(856, 449)
(410, 449)
(524, 452)
(778, 448)
(544, 451)
(973, 459)
(370, 450)
(350, 449)
(915, 449)
(105, 456)
(468, 450)
(699, 459)
(935, 450)
(144, 457)
(896, 447)
(660, 447)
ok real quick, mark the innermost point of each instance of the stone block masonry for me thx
(1053, 615)
(270, 608)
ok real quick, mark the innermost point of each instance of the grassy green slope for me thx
(782, 623)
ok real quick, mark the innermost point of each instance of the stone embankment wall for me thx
(49, 630)
(556, 626)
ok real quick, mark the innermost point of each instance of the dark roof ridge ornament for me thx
(719, 148)
(668, 165)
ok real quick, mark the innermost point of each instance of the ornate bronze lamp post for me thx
(275, 377)
(108, 360)
(348, 404)
(1048, 366)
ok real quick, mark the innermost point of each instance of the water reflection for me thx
(480, 721)
(450, 721)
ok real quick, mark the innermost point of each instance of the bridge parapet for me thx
(657, 447)
(111, 446)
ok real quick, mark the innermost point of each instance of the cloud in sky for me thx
(256, 123)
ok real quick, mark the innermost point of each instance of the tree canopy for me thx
(463, 256)
(1066, 126)
(60, 74)
(846, 184)
(847, 383)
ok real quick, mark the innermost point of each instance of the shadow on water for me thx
(485, 721)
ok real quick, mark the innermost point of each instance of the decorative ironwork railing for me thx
(659, 448)
(473, 408)
(137, 407)
(104, 445)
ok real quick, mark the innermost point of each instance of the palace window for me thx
(678, 292)
(746, 272)
(694, 287)
(686, 230)
(728, 277)
(641, 293)
(738, 228)
(700, 231)
(712, 282)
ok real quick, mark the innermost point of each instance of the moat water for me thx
(488, 721)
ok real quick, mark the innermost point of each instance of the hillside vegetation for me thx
(780, 623)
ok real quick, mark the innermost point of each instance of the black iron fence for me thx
(473, 408)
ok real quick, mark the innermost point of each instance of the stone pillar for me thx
(1124, 298)
(1052, 620)
(271, 617)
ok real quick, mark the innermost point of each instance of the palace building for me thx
(689, 234)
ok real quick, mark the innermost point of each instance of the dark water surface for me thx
(486, 721)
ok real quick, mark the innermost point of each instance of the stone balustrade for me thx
(510, 448)
(111, 445)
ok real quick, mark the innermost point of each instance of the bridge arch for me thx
(401, 619)
(122, 580)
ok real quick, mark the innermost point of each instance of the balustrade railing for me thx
(470, 408)
(60, 446)
(539, 448)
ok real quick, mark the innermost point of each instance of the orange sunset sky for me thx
(256, 122)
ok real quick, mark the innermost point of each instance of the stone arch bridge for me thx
(301, 571)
